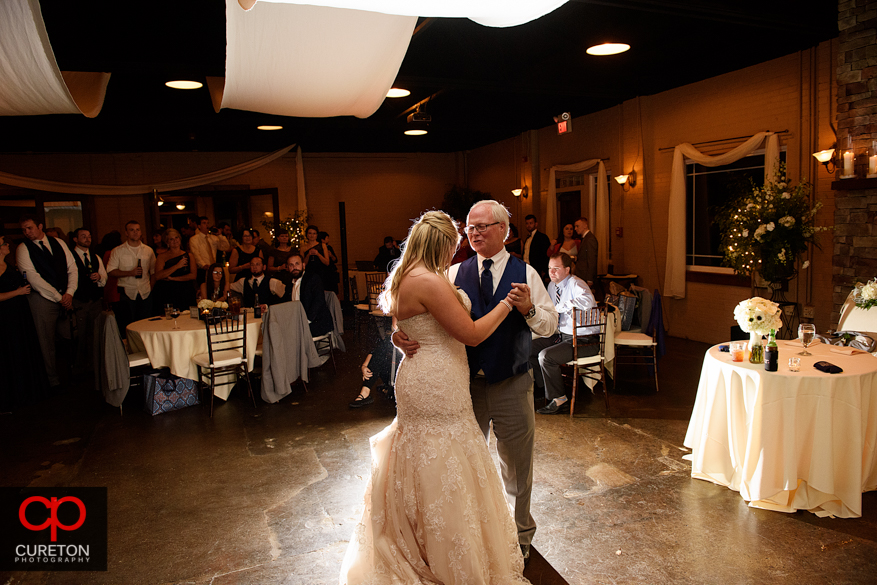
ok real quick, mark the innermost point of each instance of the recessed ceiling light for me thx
(183, 84)
(267, 127)
(608, 49)
(415, 132)
(397, 92)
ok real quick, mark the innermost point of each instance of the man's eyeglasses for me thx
(480, 228)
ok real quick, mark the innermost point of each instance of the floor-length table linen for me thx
(788, 441)
(174, 349)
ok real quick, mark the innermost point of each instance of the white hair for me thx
(499, 211)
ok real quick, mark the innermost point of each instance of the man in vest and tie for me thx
(268, 290)
(50, 269)
(501, 384)
(549, 353)
(88, 298)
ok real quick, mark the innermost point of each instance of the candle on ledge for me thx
(848, 163)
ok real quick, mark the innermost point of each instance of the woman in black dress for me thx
(330, 272)
(175, 272)
(514, 245)
(239, 263)
(280, 252)
(21, 360)
(315, 253)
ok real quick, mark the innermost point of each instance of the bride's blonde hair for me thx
(432, 241)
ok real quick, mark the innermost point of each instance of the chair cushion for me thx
(138, 359)
(324, 337)
(630, 338)
(228, 357)
(585, 361)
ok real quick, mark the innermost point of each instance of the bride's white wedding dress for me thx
(435, 511)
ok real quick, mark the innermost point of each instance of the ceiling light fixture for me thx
(398, 92)
(627, 181)
(826, 157)
(184, 84)
(608, 49)
(269, 127)
(181, 206)
(522, 192)
(418, 123)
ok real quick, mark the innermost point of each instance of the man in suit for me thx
(49, 268)
(88, 298)
(549, 353)
(536, 247)
(501, 385)
(269, 290)
(387, 253)
(586, 263)
(308, 288)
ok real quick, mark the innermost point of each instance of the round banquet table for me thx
(175, 349)
(784, 440)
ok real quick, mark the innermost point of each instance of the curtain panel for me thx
(598, 225)
(164, 186)
(674, 285)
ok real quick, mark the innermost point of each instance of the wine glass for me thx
(807, 333)
(175, 313)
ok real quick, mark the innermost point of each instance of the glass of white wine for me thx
(806, 333)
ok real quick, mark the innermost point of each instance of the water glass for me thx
(794, 364)
(807, 335)
(168, 309)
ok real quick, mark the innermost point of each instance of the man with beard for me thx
(88, 298)
(269, 290)
(308, 288)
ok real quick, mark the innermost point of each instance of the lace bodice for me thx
(433, 386)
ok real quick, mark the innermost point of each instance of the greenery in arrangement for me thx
(765, 229)
(866, 294)
(294, 224)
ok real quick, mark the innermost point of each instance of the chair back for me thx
(354, 291)
(584, 322)
(374, 282)
(227, 333)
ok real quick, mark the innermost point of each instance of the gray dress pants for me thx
(45, 318)
(509, 405)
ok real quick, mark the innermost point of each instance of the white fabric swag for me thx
(311, 61)
(497, 13)
(674, 285)
(174, 185)
(30, 81)
(598, 225)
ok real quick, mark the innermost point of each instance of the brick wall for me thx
(855, 216)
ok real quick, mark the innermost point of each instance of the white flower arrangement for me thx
(866, 294)
(207, 304)
(758, 315)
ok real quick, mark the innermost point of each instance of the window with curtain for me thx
(708, 189)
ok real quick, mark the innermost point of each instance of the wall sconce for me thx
(160, 202)
(826, 157)
(627, 181)
(522, 192)
(181, 206)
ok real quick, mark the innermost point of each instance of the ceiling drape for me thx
(674, 285)
(598, 225)
(163, 186)
(30, 81)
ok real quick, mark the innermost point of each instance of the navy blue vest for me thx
(266, 297)
(88, 290)
(52, 267)
(506, 352)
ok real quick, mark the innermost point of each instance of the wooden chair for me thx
(226, 353)
(374, 284)
(323, 343)
(588, 366)
(636, 342)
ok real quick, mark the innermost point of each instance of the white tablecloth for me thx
(784, 440)
(175, 349)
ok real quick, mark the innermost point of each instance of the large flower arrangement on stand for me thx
(767, 228)
(866, 294)
(757, 316)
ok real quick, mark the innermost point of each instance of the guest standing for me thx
(51, 270)
(513, 244)
(565, 243)
(200, 249)
(314, 252)
(586, 263)
(242, 256)
(133, 263)
(21, 360)
(280, 252)
(330, 271)
(88, 300)
(536, 247)
(175, 273)
(386, 254)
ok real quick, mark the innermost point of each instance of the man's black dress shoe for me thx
(553, 408)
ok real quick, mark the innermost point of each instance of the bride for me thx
(435, 511)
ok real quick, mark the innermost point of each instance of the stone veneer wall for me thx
(855, 235)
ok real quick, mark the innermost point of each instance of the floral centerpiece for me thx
(214, 308)
(866, 294)
(766, 229)
(757, 316)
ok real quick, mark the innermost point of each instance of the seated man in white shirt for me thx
(549, 353)
(268, 290)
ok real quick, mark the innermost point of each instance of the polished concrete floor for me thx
(270, 495)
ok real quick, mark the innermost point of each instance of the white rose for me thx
(786, 196)
(745, 233)
(770, 227)
(805, 265)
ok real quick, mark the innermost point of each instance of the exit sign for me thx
(564, 126)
